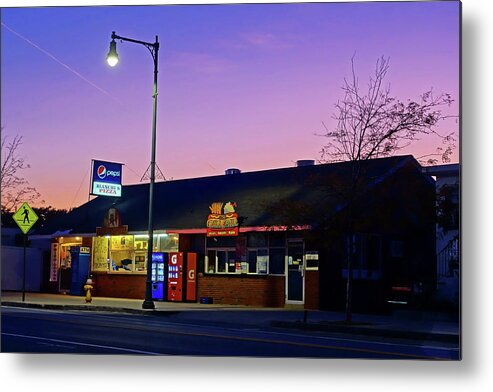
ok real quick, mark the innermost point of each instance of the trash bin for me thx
(205, 300)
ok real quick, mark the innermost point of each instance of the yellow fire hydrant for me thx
(88, 287)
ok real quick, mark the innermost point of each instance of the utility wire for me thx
(78, 190)
(133, 171)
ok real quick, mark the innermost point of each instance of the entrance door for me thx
(65, 269)
(295, 273)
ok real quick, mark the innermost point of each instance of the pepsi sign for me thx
(106, 178)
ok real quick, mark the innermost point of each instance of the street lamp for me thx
(112, 59)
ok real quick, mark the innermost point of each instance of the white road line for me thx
(148, 323)
(82, 344)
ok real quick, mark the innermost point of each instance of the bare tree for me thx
(371, 123)
(15, 188)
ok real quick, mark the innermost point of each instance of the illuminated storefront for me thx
(265, 238)
(110, 255)
(128, 253)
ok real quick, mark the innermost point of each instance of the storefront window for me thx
(210, 262)
(257, 261)
(122, 253)
(225, 261)
(128, 253)
(252, 261)
(168, 242)
(257, 240)
(264, 253)
(277, 260)
(221, 257)
(141, 252)
(232, 262)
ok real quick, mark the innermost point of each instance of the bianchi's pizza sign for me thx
(106, 178)
(222, 220)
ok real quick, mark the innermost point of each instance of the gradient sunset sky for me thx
(243, 86)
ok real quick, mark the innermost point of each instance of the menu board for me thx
(100, 254)
(122, 242)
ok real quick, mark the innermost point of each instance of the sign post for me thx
(25, 217)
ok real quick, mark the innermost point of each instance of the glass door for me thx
(295, 273)
(65, 269)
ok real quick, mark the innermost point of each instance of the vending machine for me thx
(158, 275)
(182, 280)
(191, 292)
(175, 277)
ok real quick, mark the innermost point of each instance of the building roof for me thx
(184, 204)
(448, 170)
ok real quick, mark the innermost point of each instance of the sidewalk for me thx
(401, 324)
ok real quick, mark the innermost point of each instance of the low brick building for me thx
(290, 241)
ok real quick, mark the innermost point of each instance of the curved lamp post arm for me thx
(153, 47)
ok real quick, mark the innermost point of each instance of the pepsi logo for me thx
(101, 171)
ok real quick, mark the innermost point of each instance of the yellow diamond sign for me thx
(25, 217)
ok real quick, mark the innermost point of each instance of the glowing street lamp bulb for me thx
(112, 57)
(112, 61)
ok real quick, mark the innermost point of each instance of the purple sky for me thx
(243, 86)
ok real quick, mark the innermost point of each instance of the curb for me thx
(89, 308)
(371, 331)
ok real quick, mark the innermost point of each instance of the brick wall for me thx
(264, 291)
(261, 291)
(119, 286)
(312, 290)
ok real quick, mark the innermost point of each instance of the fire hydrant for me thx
(88, 287)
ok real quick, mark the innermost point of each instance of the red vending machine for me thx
(175, 276)
(182, 277)
(191, 293)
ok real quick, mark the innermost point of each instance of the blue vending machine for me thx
(159, 275)
(81, 257)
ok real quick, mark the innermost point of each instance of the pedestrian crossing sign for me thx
(25, 217)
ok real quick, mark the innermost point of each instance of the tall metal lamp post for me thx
(112, 59)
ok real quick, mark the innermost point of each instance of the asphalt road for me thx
(78, 332)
